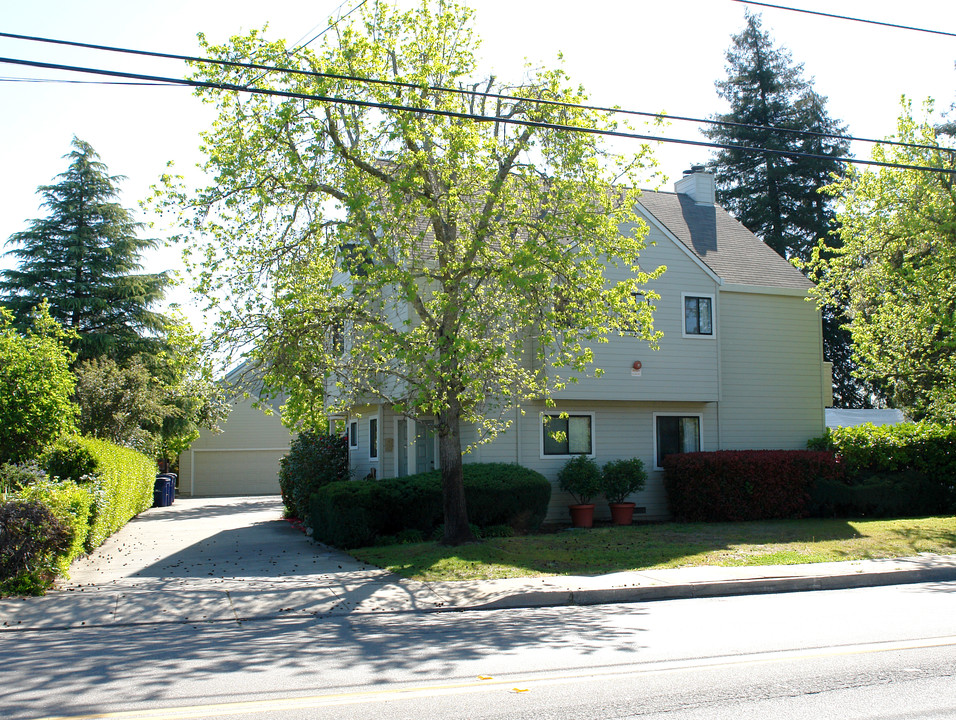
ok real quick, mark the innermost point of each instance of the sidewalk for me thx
(234, 560)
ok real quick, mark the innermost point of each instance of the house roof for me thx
(729, 249)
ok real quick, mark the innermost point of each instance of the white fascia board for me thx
(649, 216)
(763, 290)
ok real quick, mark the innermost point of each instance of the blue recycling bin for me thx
(164, 491)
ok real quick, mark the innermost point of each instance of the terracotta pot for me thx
(622, 513)
(582, 516)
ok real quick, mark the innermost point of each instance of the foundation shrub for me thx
(314, 460)
(354, 514)
(730, 485)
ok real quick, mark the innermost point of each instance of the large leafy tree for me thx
(375, 242)
(83, 258)
(773, 106)
(895, 269)
(36, 386)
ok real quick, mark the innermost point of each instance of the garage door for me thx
(236, 472)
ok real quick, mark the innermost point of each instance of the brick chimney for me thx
(697, 184)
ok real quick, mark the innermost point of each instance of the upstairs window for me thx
(570, 435)
(698, 315)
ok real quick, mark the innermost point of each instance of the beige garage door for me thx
(237, 472)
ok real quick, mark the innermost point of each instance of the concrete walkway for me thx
(235, 559)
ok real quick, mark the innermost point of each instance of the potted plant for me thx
(581, 477)
(620, 478)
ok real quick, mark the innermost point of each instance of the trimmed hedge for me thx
(71, 504)
(120, 481)
(358, 513)
(891, 471)
(730, 485)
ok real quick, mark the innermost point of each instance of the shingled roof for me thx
(729, 249)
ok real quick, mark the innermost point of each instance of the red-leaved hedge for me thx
(744, 484)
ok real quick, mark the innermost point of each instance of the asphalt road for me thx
(885, 652)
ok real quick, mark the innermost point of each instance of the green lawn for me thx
(613, 549)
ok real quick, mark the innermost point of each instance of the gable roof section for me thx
(730, 250)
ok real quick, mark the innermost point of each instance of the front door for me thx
(401, 447)
(424, 446)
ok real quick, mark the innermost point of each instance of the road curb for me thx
(725, 588)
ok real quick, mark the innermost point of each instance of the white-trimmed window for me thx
(373, 438)
(353, 435)
(675, 433)
(698, 312)
(572, 434)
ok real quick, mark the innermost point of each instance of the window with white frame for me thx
(676, 434)
(567, 435)
(373, 438)
(698, 315)
(353, 434)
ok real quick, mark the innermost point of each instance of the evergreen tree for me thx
(84, 259)
(773, 106)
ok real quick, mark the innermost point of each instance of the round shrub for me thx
(314, 460)
(620, 478)
(580, 477)
(69, 458)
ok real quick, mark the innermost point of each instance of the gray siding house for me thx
(740, 366)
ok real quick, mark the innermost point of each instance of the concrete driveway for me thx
(209, 560)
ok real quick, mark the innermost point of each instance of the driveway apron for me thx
(213, 560)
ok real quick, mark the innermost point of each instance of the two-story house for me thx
(740, 365)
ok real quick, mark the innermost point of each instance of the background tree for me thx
(444, 266)
(36, 386)
(776, 196)
(152, 403)
(83, 259)
(896, 270)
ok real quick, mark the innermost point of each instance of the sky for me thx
(639, 55)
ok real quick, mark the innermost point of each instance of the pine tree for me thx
(84, 259)
(773, 106)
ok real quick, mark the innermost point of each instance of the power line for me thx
(845, 17)
(60, 81)
(466, 116)
(337, 21)
(459, 91)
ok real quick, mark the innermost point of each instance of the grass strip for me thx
(669, 545)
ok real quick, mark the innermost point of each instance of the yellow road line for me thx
(509, 683)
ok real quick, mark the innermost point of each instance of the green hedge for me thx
(71, 504)
(890, 470)
(120, 481)
(869, 449)
(357, 513)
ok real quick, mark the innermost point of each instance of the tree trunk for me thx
(457, 529)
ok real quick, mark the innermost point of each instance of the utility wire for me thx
(60, 81)
(459, 91)
(845, 17)
(467, 116)
(337, 21)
